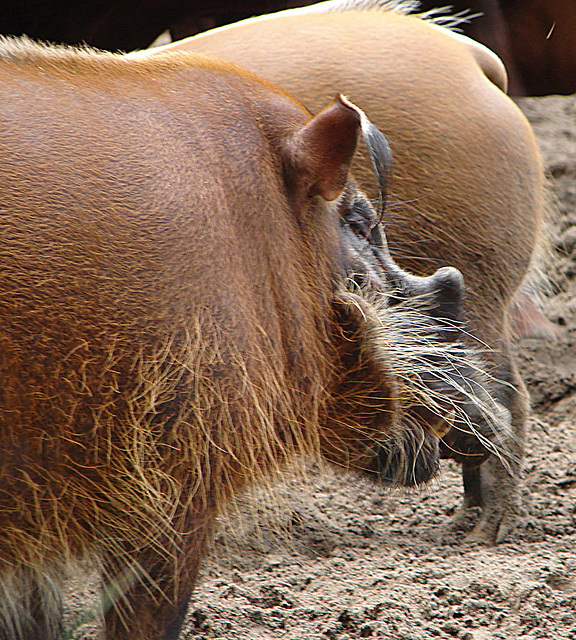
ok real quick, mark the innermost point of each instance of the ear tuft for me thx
(324, 148)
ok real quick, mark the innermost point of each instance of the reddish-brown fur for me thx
(175, 322)
(467, 184)
(137, 242)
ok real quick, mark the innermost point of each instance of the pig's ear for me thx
(321, 152)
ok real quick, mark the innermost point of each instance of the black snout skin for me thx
(437, 301)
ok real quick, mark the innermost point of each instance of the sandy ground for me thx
(363, 562)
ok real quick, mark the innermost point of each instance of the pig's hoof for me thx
(494, 527)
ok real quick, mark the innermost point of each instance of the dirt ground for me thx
(363, 562)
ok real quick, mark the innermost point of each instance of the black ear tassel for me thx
(381, 158)
(379, 152)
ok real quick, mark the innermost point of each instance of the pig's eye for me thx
(360, 228)
(361, 220)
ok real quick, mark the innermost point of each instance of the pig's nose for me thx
(446, 287)
(439, 296)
